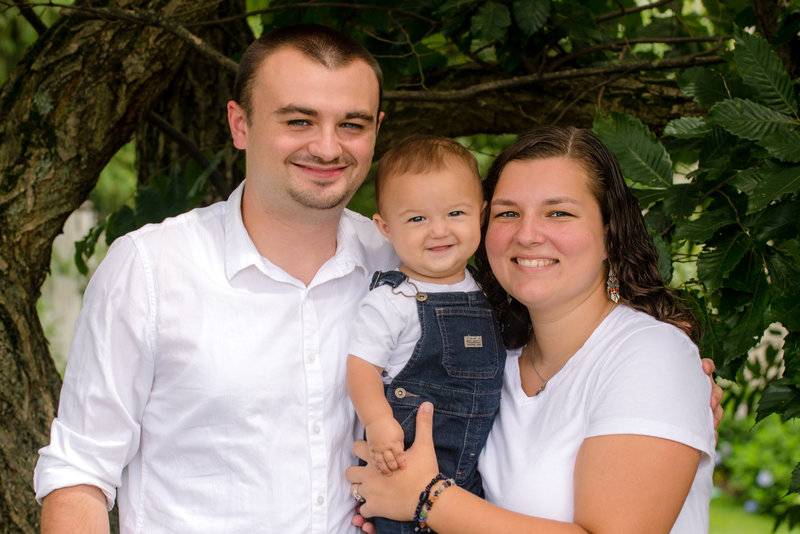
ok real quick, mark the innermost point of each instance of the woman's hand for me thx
(396, 497)
(716, 392)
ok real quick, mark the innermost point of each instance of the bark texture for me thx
(72, 101)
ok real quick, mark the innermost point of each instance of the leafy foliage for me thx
(729, 229)
(737, 213)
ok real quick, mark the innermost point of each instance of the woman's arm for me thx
(384, 434)
(621, 483)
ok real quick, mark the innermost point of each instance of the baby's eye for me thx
(455, 213)
(418, 218)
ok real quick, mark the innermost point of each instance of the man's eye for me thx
(298, 122)
(353, 126)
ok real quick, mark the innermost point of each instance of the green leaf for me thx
(794, 484)
(531, 15)
(706, 225)
(647, 197)
(784, 146)
(687, 127)
(748, 119)
(763, 71)
(784, 270)
(491, 22)
(720, 257)
(781, 397)
(641, 156)
(774, 180)
(786, 309)
(120, 223)
(680, 200)
(705, 86)
(778, 221)
(85, 247)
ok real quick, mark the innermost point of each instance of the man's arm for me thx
(78, 509)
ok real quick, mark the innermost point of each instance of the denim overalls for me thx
(458, 365)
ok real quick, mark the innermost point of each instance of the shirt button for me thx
(320, 499)
(316, 428)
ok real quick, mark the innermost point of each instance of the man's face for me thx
(311, 133)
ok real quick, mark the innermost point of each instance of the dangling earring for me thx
(508, 298)
(612, 285)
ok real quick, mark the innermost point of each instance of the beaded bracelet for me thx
(425, 505)
(423, 498)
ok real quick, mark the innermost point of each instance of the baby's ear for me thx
(383, 227)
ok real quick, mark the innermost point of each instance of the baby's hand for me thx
(385, 439)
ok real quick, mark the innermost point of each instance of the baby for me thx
(425, 332)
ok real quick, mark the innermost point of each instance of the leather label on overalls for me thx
(473, 342)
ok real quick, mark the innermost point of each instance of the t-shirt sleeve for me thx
(654, 385)
(107, 380)
(377, 328)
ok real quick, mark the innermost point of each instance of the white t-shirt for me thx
(634, 375)
(387, 327)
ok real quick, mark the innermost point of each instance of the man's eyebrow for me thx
(291, 108)
(367, 117)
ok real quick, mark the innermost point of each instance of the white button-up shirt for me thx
(208, 385)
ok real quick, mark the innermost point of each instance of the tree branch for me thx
(611, 45)
(694, 60)
(623, 12)
(31, 17)
(307, 5)
(147, 18)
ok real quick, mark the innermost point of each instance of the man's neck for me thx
(298, 244)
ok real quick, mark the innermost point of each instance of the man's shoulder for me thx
(377, 250)
(196, 221)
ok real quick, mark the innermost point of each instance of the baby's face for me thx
(433, 220)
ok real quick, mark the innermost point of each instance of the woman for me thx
(604, 424)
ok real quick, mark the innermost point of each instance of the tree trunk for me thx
(194, 105)
(69, 105)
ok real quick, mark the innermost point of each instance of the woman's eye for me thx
(559, 214)
(505, 214)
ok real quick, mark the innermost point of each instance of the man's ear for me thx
(237, 120)
(381, 114)
(383, 227)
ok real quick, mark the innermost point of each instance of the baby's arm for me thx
(384, 434)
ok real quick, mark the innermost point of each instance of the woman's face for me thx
(545, 240)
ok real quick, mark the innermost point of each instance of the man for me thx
(206, 379)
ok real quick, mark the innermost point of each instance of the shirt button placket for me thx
(315, 395)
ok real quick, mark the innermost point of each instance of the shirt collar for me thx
(241, 253)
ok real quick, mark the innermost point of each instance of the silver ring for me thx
(355, 494)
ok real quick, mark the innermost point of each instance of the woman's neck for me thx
(559, 334)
